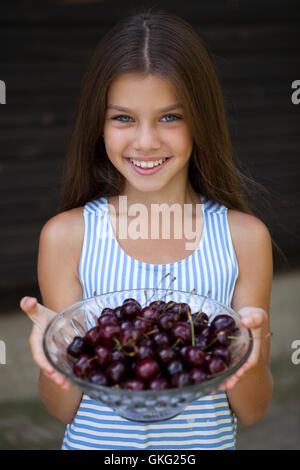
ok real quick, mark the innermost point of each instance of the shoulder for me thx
(247, 226)
(250, 235)
(64, 230)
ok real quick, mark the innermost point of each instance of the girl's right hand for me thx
(41, 316)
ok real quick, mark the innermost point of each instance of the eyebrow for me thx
(162, 110)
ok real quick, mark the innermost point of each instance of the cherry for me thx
(147, 369)
(167, 320)
(116, 371)
(181, 379)
(109, 332)
(223, 322)
(222, 352)
(198, 375)
(182, 331)
(107, 311)
(107, 319)
(215, 365)
(199, 321)
(194, 356)
(134, 384)
(98, 377)
(201, 341)
(220, 338)
(158, 304)
(143, 325)
(129, 337)
(160, 383)
(83, 366)
(103, 354)
(150, 313)
(145, 352)
(118, 312)
(93, 336)
(175, 366)
(165, 354)
(118, 355)
(161, 338)
(130, 310)
(132, 300)
(77, 347)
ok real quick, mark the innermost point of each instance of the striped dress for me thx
(207, 423)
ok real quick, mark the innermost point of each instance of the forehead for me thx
(135, 90)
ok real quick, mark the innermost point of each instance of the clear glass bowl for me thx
(144, 405)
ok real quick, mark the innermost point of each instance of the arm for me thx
(59, 252)
(250, 390)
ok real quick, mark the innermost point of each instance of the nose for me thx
(146, 139)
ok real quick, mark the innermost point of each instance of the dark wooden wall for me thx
(44, 49)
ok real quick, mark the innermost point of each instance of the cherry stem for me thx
(178, 340)
(192, 328)
(94, 295)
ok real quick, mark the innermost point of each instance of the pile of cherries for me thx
(159, 346)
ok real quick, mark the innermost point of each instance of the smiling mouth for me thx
(147, 167)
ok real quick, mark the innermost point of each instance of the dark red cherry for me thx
(150, 313)
(146, 342)
(223, 322)
(144, 352)
(194, 356)
(161, 339)
(107, 319)
(182, 331)
(198, 375)
(98, 377)
(220, 338)
(130, 310)
(134, 384)
(118, 312)
(143, 325)
(222, 352)
(103, 354)
(129, 338)
(109, 332)
(201, 341)
(147, 369)
(175, 366)
(159, 383)
(126, 324)
(132, 300)
(158, 304)
(182, 379)
(93, 336)
(77, 347)
(107, 311)
(165, 354)
(83, 366)
(118, 355)
(116, 371)
(167, 320)
(215, 365)
(200, 320)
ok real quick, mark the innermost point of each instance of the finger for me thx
(35, 343)
(38, 314)
(254, 320)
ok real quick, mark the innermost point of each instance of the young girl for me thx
(151, 95)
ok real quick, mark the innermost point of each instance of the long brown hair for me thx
(154, 41)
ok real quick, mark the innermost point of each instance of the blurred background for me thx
(44, 50)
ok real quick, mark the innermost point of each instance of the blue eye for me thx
(118, 118)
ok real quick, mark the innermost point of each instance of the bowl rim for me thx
(215, 378)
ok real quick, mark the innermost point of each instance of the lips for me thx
(148, 171)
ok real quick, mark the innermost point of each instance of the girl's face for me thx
(145, 123)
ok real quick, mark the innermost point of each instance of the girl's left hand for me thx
(257, 320)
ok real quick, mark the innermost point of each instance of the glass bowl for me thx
(142, 405)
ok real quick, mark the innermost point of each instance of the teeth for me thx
(149, 164)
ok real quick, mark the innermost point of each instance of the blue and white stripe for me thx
(207, 423)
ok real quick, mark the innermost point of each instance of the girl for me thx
(151, 95)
